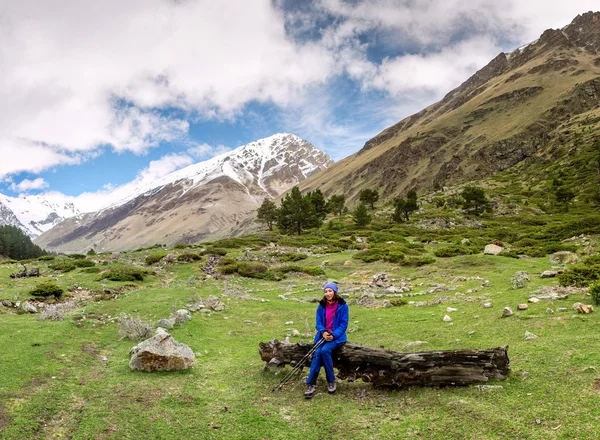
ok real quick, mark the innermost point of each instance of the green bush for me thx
(370, 255)
(180, 246)
(76, 256)
(452, 251)
(84, 263)
(595, 292)
(215, 251)
(248, 269)
(63, 266)
(580, 275)
(154, 258)
(46, 289)
(397, 302)
(124, 273)
(189, 256)
(417, 261)
(395, 257)
(94, 269)
(46, 257)
(292, 256)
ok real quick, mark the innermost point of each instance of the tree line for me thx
(16, 245)
(299, 212)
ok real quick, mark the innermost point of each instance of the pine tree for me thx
(369, 197)
(267, 213)
(336, 204)
(404, 207)
(296, 213)
(474, 200)
(15, 244)
(361, 215)
(317, 199)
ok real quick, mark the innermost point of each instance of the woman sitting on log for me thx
(332, 322)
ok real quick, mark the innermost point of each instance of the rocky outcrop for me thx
(161, 353)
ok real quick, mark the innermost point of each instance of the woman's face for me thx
(329, 294)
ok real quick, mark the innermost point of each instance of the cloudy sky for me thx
(98, 96)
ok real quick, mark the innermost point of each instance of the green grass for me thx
(71, 379)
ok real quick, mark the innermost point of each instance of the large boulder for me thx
(563, 257)
(492, 249)
(161, 353)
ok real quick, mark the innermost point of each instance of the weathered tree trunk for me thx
(386, 368)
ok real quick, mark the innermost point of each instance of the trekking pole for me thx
(299, 365)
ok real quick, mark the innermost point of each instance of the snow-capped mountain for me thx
(207, 200)
(33, 214)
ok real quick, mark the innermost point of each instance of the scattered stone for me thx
(548, 274)
(534, 300)
(520, 279)
(549, 311)
(447, 318)
(380, 280)
(465, 241)
(415, 344)
(507, 312)
(289, 323)
(182, 315)
(487, 305)
(392, 289)
(492, 249)
(529, 336)
(561, 309)
(161, 353)
(170, 258)
(28, 307)
(6, 303)
(583, 308)
(522, 307)
(295, 332)
(576, 305)
(166, 323)
(451, 309)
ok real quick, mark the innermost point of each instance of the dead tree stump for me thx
(389, 369)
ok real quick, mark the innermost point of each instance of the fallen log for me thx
(388, 369)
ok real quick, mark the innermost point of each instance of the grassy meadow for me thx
(70, 378)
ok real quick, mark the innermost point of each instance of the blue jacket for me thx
(340, 321)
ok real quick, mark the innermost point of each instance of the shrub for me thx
(595, 292)
(580, 275)
(397, 302)
(180, 246)
(452, 251)
(215, 251)
(56, 312)
(133, 328)
(249, 269)
(394, 257)
(46, 289)
(94, 269)
(293, 256)
(369, 255)
(76, 256)
(189, 256)
(417, 261)
(84, 263)
(46, 257)
(154, 258)
(63, 266)
(124, 273)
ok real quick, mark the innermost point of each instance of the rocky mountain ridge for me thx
(522, 106)
(204, 201)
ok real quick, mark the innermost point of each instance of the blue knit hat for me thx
(332, 286)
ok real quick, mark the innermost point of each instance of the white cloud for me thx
(27, 185)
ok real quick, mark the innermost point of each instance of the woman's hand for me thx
(327, 336)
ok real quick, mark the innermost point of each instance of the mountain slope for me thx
(33, 214)
(522, 107)
(200, 202)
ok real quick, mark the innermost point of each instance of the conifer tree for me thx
(474, 200)
(267, 213)
(317, 199)
(369, 197)
(361, 215)
(296, 213)
(336, 204)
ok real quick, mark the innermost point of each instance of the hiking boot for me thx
(331, 387)
(310, 391)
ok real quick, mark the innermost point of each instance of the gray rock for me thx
(561, 309)
(507, 312)
(166, 323)
(563, 257)
(534, 300)
(6, 303)
(182, 315)
(161, 353)
(522, 306)
(489, 387)
(415, 344)
(447, 318)
(529, 336)
(487, 305)
(451, 309)
(549, 311)
(548, 274)
(492, 249)
(28, 307)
